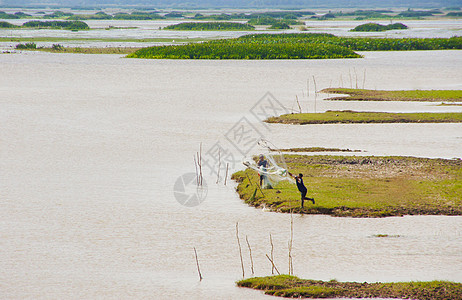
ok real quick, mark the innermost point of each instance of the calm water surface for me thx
(91, 147)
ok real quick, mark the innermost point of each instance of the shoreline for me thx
(293, 287)
(365, 187)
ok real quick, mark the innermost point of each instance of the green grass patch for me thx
(363, 186)
(4, 24)
(409, 95)
(228, 26)
(248, 48)
(293, 46)
(379, 27)
(69, 25)
(293, 287)
(351, 117)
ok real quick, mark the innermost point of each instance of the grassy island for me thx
(70, 25)
(351, 117)
(293, 46)
(379, 27)
(251, 47)
(410, 95)
(362, 186)
(231, 26)
(293, 287)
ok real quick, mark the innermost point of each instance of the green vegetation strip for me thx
(362, 186)
(293, 46)
(379, 27)
(351, 117)
(210, 26)
(293, 287)
(70, 25)
(410, 95)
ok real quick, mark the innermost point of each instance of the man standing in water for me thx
(301, 187)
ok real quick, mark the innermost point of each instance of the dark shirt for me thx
(300, 185)
(263, 163)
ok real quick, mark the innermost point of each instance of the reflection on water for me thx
(92, 146)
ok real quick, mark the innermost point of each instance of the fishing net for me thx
(269, 164)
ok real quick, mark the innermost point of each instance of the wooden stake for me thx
(226, 176)
(197, 263)
(315, 93)
(219, 165)
(272, 250)
(256, 185)
(240, 250)
(356, 77)
(197, 175)
(351, 82)
(250, 253)
(250, 181)
(273, 264)
(307, 87)
(299, 107)
(291, 267)
(364, 78)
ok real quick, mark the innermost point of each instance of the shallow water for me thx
(91, 146)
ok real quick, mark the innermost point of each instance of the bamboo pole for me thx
(272, 251)
(272, 263)
(315, 93)
(250, 253)
(299, 107)
(197, 174)
(197, 263)
(240, 249)
(250, 181)
(308, 87)
(256, 185)
(219, 165)
(349, 74)
(200, 162)
(356, 77)
(226, 175)
(291, 267)
(364, 78)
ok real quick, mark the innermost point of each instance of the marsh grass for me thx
(363, 186)
(349, 117)
(293, 287)
(409, 95)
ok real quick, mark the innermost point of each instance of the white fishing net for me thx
(269, 164)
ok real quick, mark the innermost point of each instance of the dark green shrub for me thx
(210, 26)
(4, 24)
(280, 25)
(26, 46)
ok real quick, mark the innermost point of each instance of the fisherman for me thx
(262, 164)
(301, 187)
